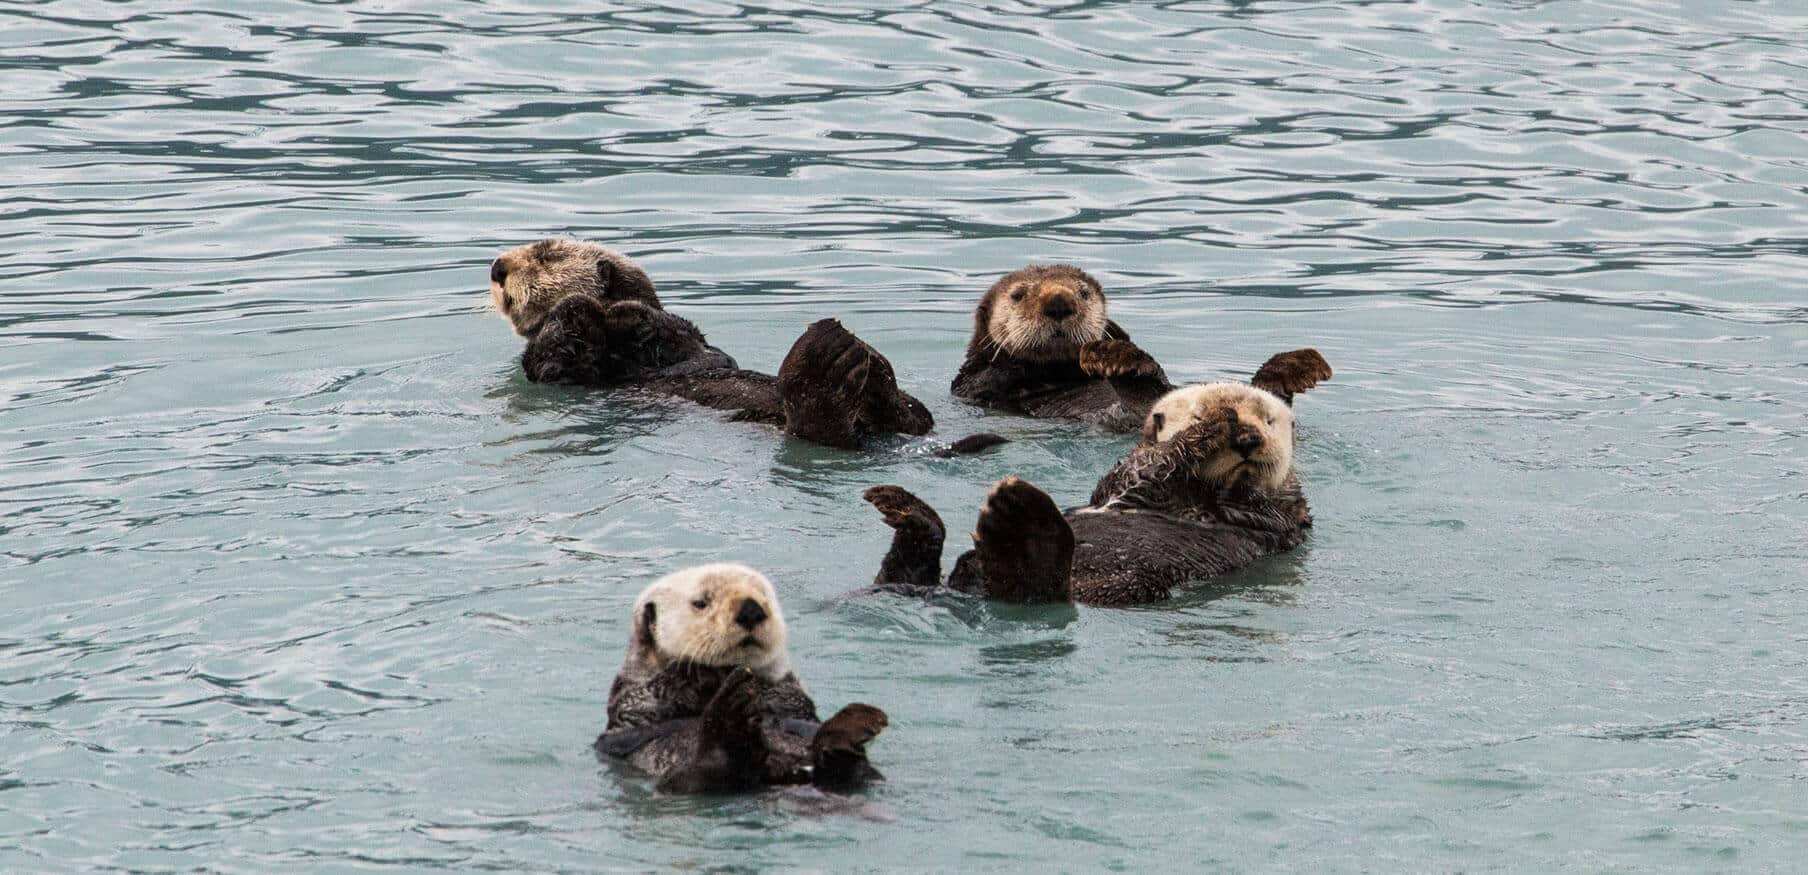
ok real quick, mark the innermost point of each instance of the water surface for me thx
(301, 574)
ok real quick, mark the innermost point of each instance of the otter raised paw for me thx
(1286, 374)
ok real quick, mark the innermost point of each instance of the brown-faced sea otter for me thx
(592, 317)
(1210, 488)
(1043, 346)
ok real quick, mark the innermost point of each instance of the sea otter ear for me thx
(648, 621)
(1152, 426)
(605, 274)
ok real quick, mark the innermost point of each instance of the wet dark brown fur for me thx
(593, 318)
(703, 729)
(725, 728)
(1042, 346)
(1172, 511)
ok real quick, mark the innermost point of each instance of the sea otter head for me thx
(1043, 313)
(526, 281)
(1257, 449)
(718, 615)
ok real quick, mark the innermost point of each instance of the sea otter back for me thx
(1126, 557)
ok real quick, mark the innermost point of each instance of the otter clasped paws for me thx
(1115, 359)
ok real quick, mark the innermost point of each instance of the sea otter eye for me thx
(1018, 293)
(699, 604)
(1085, 294)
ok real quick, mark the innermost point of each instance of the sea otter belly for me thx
(1127, 557)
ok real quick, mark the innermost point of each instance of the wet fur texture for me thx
(593, 318)
(1043, 346)
(1209, 488)
(706, 700)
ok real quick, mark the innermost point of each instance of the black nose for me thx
(1246, 440)
(749, 615)
(1058, 308)
(498, 272)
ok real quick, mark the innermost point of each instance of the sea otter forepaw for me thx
(1289, 373)
(732, 714)
(1115, 359)
(903, 510)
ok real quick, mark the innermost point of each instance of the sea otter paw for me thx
(628, 319)
(1213, 431)
(902, 510)
(1289, 373)
(1112, 359)
(732, 717)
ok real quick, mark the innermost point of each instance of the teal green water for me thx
(300, 574)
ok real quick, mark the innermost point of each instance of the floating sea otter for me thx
(1043, 346)
(706, 700)
(591, 317)
(1209, 488)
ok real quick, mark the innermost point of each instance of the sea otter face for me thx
(1044, 312)
(1259, 448)
(525, 282)
(716, 615)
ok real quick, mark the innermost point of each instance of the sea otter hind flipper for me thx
(1286, 374)
(1023, 545)
(838, 752)
(915, 557)
(731, 749)
(836, 389)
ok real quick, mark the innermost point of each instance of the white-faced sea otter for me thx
(706, 700)
(1210, 488)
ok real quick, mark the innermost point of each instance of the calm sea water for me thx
(301, 574)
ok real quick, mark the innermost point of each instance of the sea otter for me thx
(592, 317)
(1043, 346)
(706, 700)
(1208, 489)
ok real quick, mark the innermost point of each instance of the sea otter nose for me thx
(1058, 308)
(749, 615)
(498, 271)
(1246, 440)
